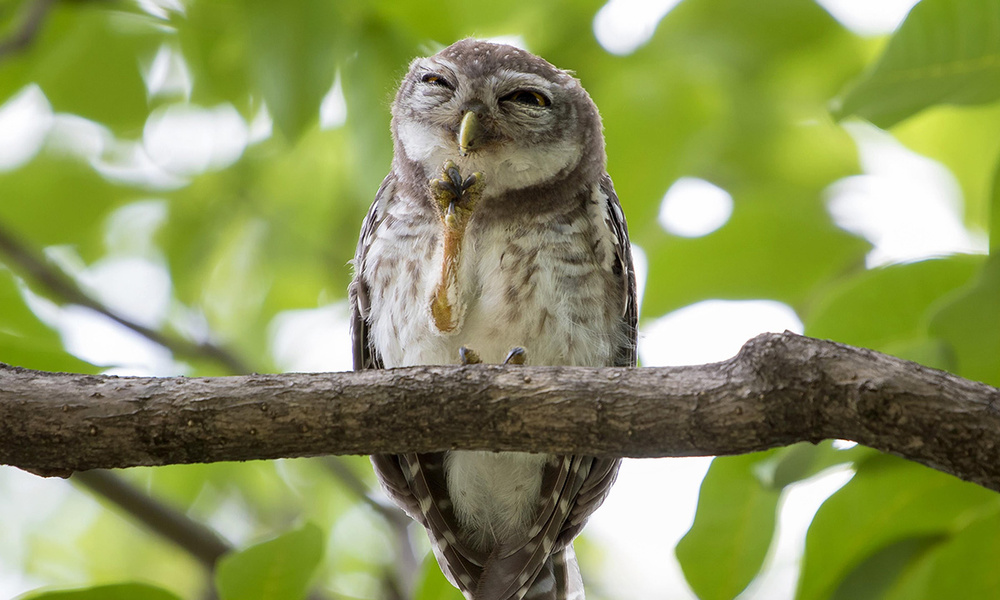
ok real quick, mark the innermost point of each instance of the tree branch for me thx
(200, 541)
(780, 389)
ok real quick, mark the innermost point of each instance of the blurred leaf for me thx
(292, 57)
(888, 500)
(725, 547)
(879, 308)
(87, 61)
(962, 138)
(970, 324)
(746, 113)
(56, 200)
(995, 211)
(945, 52)
(432, 584)
(279, 568)
(27, 342)
(871, 579)
(964, 566)
(248, 51)
(738, 261)
(121, 591)
(803, 460)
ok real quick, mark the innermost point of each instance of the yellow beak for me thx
(469, 133)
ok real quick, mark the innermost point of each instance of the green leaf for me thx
(871, 579)
(775, 246)
(888, 500)
(726, 546)
(878, 308)
(970, 323)
(120, 591)
(292, 62)
(803, 460)
(945, 52)
(432, 584)
(87, 61)
(283, 53)
(279, 568)
(73, 198)
(995, 212)
(962, 567)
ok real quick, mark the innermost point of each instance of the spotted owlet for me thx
(497, 236)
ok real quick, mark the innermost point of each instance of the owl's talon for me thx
(455, 197)
(469, 356)
(516, 356)
(471, 181)
(453, 174)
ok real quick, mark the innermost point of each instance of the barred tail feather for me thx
(559, 578)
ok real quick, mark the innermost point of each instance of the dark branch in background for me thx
(198, 540)
(780, 389)
(32, 21)
(170, 523)
(62, 286)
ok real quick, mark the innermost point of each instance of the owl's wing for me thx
(366, 356)
(407, 478)
(627, 353)
(573, 487)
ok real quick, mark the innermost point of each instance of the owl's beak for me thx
(469, 133)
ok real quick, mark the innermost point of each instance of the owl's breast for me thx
(541, 284)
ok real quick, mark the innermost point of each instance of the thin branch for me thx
(62, 286)
(198, 540)
(780, 389)
(33, 20)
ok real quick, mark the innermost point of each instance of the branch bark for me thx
(780, 389)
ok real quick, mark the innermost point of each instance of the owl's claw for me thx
(469, 356)
(455, 197)
(516, 356)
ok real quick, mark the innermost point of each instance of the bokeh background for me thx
(181, 187)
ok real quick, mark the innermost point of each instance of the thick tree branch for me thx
(780, 389)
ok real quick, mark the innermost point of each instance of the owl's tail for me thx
(559, 578)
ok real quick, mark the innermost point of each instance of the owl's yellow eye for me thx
(436, 79)
(528, 97)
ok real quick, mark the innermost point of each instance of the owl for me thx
(496, 237)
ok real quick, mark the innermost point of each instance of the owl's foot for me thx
(469, 356)
(516, 356)
(455, 197)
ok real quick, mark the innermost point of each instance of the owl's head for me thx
(499, 110)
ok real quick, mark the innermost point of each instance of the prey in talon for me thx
(455, 199)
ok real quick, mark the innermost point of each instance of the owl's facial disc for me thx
(517, 126)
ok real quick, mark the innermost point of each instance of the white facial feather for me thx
(504, 169)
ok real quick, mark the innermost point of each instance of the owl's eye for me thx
(436, 79)
(527, 97)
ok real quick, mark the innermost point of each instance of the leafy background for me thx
(181, 185)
